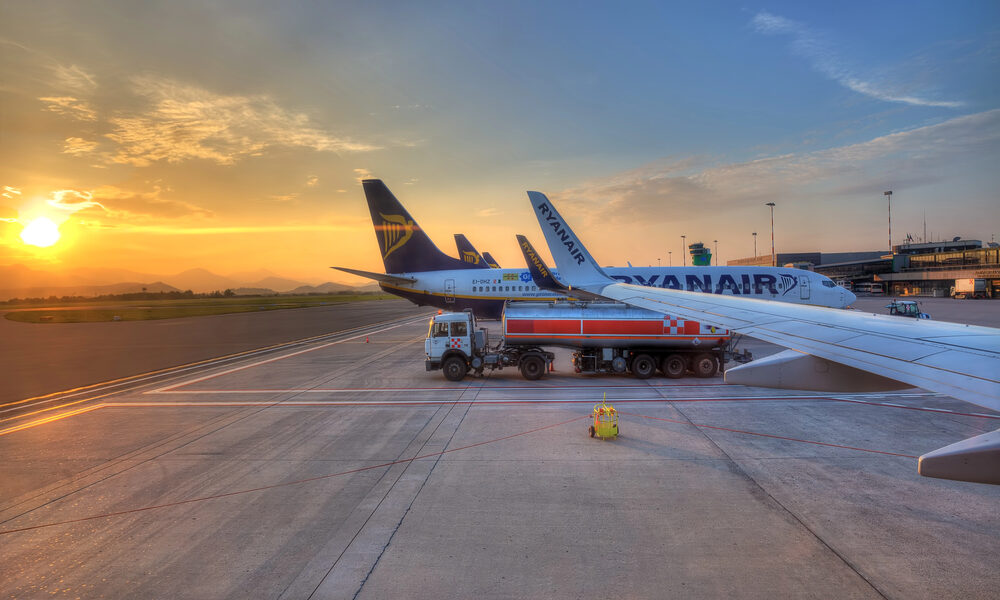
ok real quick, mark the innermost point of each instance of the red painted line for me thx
(288, 483)
(769, 435)
(457, 388)
(920, 408)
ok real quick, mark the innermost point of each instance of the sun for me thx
(41, 232)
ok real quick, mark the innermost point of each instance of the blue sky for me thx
(644, 121)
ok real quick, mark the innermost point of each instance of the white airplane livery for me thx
(829, 350)
(417, 270)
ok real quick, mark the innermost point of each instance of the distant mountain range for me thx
(19, 281)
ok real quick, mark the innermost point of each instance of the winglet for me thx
(576, 266)
(541, 275)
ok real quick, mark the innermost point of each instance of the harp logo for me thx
(396, 231)
(789, 282)
(470, 257)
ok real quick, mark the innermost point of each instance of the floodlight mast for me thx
(773, 262)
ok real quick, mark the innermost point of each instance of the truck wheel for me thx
(643, 366)
(674, 366)
(532, 367)
(454, 368)
(703, 365)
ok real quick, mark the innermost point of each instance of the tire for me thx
(592, 431)
(674, 366)
(454, 368)
(643, 366)
(704, 366)
(532, 367)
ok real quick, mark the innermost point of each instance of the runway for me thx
(336, 467)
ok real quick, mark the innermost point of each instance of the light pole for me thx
(771, 204)
(670, 257)
(888, 196)
(716, 252)
(684, 256)
(657, 262)
(755, 244)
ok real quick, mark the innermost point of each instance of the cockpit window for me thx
(829, 284)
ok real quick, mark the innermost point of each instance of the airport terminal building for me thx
(913, 269)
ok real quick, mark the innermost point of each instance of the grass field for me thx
(142, 310)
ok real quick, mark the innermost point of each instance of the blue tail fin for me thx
(490, 260)
(404, 245)
(468, 253)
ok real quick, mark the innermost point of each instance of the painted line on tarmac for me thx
(50, 419)
(770, 435)
(139, 377)
(920, 408)
(523, 401)
(296, 482)
(172, 387)
(435, 389)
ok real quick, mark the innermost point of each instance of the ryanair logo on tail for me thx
(470, 257)
(396, 231)
(533, 257)
(563, 233)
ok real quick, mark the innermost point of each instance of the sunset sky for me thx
(233, 136)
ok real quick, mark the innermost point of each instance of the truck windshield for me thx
(439, 330)
(459, 329)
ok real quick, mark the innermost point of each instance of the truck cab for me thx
(452, 334)
(456, 346)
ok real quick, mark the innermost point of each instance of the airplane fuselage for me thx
(485, 290)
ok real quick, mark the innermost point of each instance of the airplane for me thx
(828, 349)
(469, 254)
(417, 270)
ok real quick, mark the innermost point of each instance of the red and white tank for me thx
(602, 325)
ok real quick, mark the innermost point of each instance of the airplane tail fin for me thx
(490, 260)
(404, 245)
(577, 267)
(468, 253)
(542, 275)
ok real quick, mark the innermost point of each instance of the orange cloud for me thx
(186, 122)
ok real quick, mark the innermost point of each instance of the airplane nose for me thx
(849, 298)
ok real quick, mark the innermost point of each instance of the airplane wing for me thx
(830, 348)
(383, 277)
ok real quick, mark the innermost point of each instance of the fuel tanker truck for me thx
(607, 337)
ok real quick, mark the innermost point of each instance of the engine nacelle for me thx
(797, 371)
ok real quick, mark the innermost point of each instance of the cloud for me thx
(362, 174)
(821, 54)
(10, 192)
(131, 205)
(185, 122)
(171, 230)
(72, 201)
(312, 181)
(77, 146)
(488, 212)
(74, 79)
(668, 192)
(70, 106)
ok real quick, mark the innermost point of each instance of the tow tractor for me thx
(906, 308)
